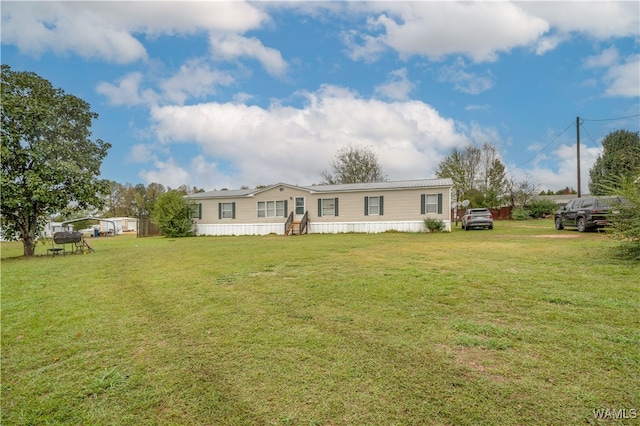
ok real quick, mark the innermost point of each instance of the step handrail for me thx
(288, 223)
(303, 223)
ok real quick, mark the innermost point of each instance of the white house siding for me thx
(240, 229)
(369, 227)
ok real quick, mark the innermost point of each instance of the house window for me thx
(327, 207)
(226, 210)
(272, 208)
(196, 211)
(431, 203)
(373, 206)
(300, 206)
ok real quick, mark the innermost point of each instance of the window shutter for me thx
(423, 201)
(199, 210)
(286, 208)
(233, 210)
(219, 210)
(440, 203)
(319, 207)
(366, 206)
(336, 207)
(381, 205)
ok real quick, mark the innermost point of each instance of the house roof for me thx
(350, 187)
(224, 193)
(386, 185)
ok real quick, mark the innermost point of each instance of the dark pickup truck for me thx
(584, 214)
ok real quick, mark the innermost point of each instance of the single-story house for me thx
(287, 209)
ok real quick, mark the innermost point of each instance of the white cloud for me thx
(484, 107)
(205, 173)
(464, 81)
(565, 172)
(105, 30)
(127, 91)
(600, 20)
(398, 87)
(482, 30)
(624, 79)
(231, 47)
(195, 79)
(38, 27)
(622, 76)
(479, 30)
(141, 153)
(549, 42)
(168, 172)
(362, 46)
(606, 58)
(282, 143)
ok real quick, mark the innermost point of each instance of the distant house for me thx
(53, 227)
(288, 209)
(119, 225)
(107, 226)
(49, 229)
(561, 200)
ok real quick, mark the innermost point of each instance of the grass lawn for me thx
(521, 325)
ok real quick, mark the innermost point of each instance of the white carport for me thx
(109, 229)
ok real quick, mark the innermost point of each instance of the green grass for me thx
(510, 326)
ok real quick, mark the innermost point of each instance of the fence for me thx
(502, 213)
(146, 228)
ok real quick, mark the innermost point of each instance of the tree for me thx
(478, 173)
(492, 176)
(114, 201)
(147, 197)
(626, 221)
(354, 165)
(620, 158)
(49, 163)
(172, 214)
(520, 193)
(460, 166)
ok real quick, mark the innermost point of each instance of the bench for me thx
(54, 251)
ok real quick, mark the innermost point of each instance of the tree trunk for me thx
(29, 245)
(28, 232)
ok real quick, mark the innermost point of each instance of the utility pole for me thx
(578, 149)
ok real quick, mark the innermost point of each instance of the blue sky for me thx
(226, 94)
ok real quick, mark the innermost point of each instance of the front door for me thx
(300, 208)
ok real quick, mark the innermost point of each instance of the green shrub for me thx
(626, 223)
(433, 225)
(172, 214)
(541, 208)
(520, 214)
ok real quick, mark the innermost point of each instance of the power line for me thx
(543, 148)
(588, 134)
(610, 119)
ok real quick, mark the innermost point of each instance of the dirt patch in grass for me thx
(556, 236)
(478, 360)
